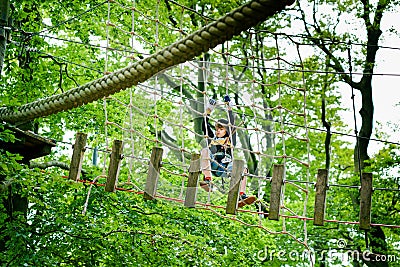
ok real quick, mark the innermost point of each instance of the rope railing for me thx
(193, 45)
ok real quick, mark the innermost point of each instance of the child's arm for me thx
(231, 118)
(233, 128)
(206, 126)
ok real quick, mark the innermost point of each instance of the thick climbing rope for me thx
(186, 49)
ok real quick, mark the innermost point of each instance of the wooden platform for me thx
(27, 144)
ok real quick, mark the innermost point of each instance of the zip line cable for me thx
(238, 65)
(303, 36)
(282, 34)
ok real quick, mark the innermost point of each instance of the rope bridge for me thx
(165, 127)
(155, 116)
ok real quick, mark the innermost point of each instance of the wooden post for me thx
(77, 156)
(191, 190)
(365, 201)
(113, 168)
(276, 191)
(233, 194)
(320, 197)
(153, 173)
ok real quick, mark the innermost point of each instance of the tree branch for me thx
(166, 138)
(318, 41)
(170, 17)
(177, 88)
(52, 163)
(366, 12)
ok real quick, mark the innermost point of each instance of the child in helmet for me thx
(217, 157)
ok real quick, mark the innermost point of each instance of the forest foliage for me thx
(59, 45)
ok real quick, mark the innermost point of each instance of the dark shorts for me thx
(220, 169)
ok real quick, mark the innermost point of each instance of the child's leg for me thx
(243, 199)
(205, 165)
(205, 162)
(243, 183)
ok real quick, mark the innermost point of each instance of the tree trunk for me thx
(367, 117)
(379, 249)
(365, 87)
(4, 11)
